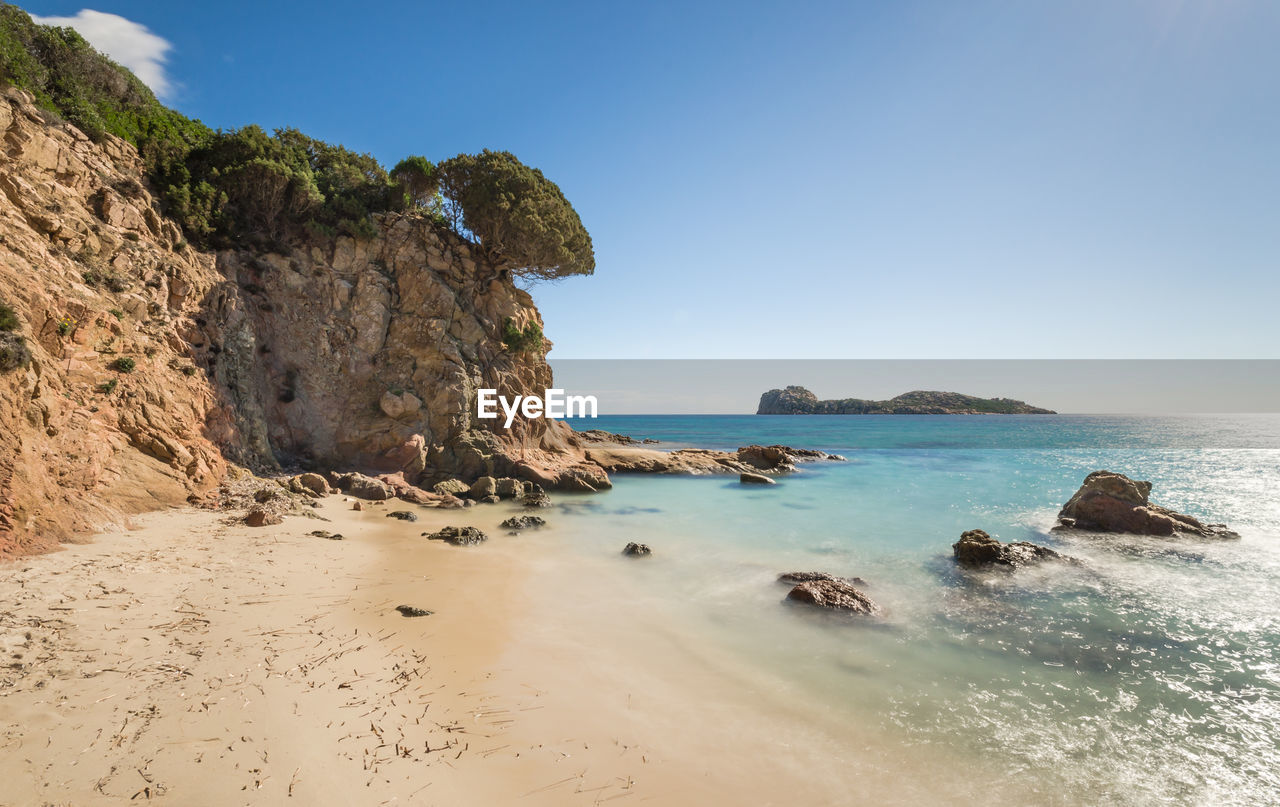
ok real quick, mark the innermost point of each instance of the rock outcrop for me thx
(149, 367)
(1112, 502)
(835, 595)
(977, 549)
(800, 401)
(697, 461)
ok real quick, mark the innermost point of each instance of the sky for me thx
(846, 180)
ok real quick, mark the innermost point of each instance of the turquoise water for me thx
(1149, 676)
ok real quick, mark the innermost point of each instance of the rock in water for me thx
(458, 536)
(523, 523)
(634, 550)
(976, 549)
(537, 498)
(403, 515)
(806, 577)
(755, 479)
(411, 610)
(1112, 502)
(834, 594)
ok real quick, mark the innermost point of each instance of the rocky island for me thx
(796, 400)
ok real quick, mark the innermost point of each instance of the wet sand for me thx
(198, 661)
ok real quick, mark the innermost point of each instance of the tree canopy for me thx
(520, 217)
(245, 185)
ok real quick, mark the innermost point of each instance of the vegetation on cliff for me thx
(248, 187)
(800, 401)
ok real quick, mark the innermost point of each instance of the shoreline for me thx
(206, 662)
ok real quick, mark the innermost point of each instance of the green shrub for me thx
(518, 340)
(8, 318)
(247, 188)
(14, 353)
(520, 217)
(124, 364)
(108, 387)
(117, 313)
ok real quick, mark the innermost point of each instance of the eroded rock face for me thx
(334, 354)
(977, 549)
(1112, 502)
(836, 595)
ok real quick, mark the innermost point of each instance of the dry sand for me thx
(198, 661)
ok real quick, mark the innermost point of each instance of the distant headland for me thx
(800, 401)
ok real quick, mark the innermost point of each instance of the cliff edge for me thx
(137, 371)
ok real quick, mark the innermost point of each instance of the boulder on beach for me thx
(508, 488)
(977, 549)
(261, 517)
(310, 485)
(403, 515)
(1112, 502)
(523, 523)
(458, 536)
(635, 550)
(835, 595)
(365, 487)
(452, 487)
(755, 479)
(807, 577)
(483, 487)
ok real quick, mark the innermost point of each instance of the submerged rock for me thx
(403, 515)
(634, 550)
(412, 611)
(807, 577)
(836, 595)
(755, 479)
(537, 497)
(976, 548)
(1112, 502)
(523, 523)
(458, 536)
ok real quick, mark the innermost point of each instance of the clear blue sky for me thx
(820, 180)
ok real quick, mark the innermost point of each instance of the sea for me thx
(1150, 674)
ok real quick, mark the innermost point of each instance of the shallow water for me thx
(1150, 675)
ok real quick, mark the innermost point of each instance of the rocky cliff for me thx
(795, 400)
(155, 368)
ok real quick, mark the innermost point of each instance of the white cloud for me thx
(130, 43)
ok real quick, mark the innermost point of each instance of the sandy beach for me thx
(199, 661)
